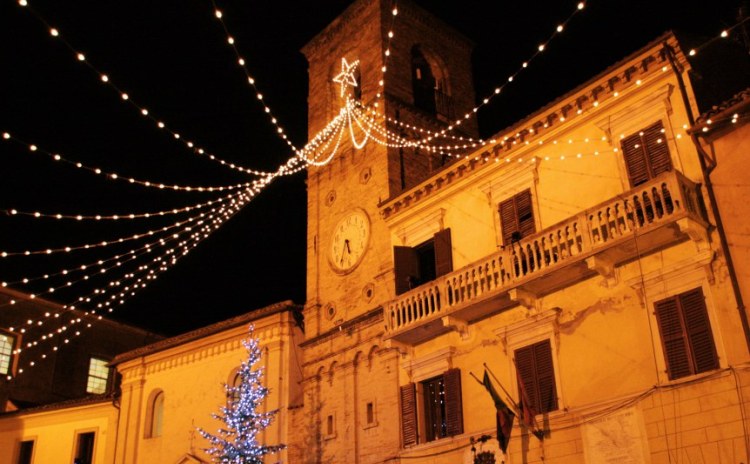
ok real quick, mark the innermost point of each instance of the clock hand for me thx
(346, 242)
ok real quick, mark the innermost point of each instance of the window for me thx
(85, 448)
(424, 262)
(98, 376)
(686, 334)
(536, 375)
(233, 396)
(155, 414)
(516, 217)
(6, 353)
(26, 452)
(329, 425)
(440, 410)
(429, 84)
(370, 413)
(646, 154)
(423, 82)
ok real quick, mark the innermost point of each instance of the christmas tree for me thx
(237, 441)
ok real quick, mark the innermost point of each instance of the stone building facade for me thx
(584, 259)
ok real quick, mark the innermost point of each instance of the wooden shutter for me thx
(526, 374)
(406, 267)
(657, 149)
(443, 253)
(536, 371)
(646, 156)
(525, 213)
(673, 338)
(698, 328)
(517, 216)
(409, 414)
(508, 219)
(635, 159)
(545, 373)
(454, 422)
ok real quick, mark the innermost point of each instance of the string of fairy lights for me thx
(364, 124)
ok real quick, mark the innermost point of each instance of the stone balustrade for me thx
(660, 202)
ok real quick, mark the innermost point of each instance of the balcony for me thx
(662, 212)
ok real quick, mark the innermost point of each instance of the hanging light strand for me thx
(126, 98)
(113, 176)
(279, 130)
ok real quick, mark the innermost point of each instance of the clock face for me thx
(349, 241)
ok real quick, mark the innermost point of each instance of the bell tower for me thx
(427, 84)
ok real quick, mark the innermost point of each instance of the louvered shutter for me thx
(406, 267)
(409, 414)
(635, 159)
(698, 330)
(517, 216)
(657, 149)
(443, 253)
(545, 373)
(454, 422)
(508, 219)
(526, 375)
(673, 338)
(525, 213)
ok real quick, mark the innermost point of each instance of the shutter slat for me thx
(453, 404)
(443, 253)
(658, 152)
(546, 376)
(526, 374)
(508, 220)
(635, 159)
(525, 213)
(406, 267)
(698, 328)
(673, 338)
(409, 414)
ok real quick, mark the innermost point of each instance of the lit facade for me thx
(575, 256)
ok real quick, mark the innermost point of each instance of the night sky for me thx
(172, 57)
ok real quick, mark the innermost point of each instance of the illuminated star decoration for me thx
(346, 77)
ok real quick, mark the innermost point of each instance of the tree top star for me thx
(346, 77)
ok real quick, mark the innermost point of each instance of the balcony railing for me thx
(551, 259)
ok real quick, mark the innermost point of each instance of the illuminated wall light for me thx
(81, 57)
(54, 32)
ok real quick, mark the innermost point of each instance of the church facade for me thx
(577, 262)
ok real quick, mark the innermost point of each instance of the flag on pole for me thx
(503, 415)
(528, 411)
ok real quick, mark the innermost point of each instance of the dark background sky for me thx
(172, 57)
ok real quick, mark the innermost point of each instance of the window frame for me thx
(154, 411)
(90, 376)
(525, 226)
(19, 449)
(646, 154)
(11, 357)
(406, 261)
(417, 414)
(686, 339)
(77, 444)
(536, 356)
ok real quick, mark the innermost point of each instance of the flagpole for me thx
(510, 397)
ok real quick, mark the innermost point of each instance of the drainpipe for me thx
(711, 197)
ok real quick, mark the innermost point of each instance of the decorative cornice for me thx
(202, 332)
(605, 87)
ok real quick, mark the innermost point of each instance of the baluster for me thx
(669, 206)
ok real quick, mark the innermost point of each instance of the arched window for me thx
(155, 414)
(428, 83)
(234, 381)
